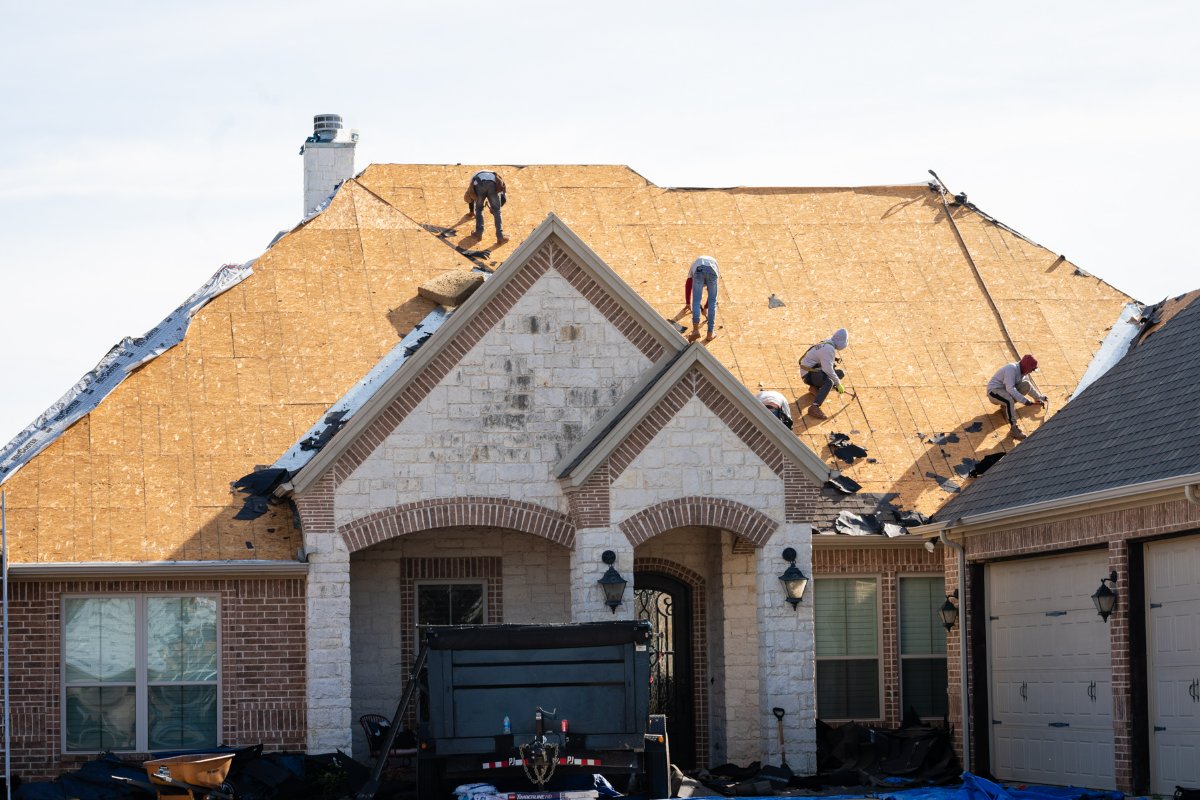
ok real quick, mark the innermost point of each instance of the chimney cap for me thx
(326, 126)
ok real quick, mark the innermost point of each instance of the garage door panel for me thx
(1050, 672)
(1173, 626)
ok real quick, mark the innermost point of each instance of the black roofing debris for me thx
(408, 351)
(966, 468)
(939, 438)
(775, 302)
(945, 484)
(844, 484)
(986, 463)
(853, 524)
(910, 519)
(974, 427)
(334, 421)
(260, 487)
(841, 447)
(892, 530)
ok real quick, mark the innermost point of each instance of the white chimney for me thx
(328, 159)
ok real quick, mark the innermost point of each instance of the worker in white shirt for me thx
(1012, 384)
(777, 404)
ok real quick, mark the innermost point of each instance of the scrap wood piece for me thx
(451, 288)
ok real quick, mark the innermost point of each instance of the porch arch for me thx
(493, 512)
(712, 512)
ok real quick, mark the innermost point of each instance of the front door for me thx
(667, 604)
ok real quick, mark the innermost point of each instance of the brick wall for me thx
(262, 664)
(888, 564)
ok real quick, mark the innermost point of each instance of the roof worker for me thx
(487, 186)
(818, 371)
(777, 404)
(1010, 385)
(703, 276)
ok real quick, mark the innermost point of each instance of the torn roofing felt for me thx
(124, 357)
(260, 486)
(1139, 422)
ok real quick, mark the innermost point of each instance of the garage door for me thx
(1050, 672)
(1173, 633)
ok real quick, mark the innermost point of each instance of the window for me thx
(847, 632)
(139, 673)
(450, 604)
(922, 646)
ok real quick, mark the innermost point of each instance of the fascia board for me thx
(670, 338)
(1115, 498)
(696, 355)
(837, 541)
(157, 569)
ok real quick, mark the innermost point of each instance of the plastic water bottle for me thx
(507, 724)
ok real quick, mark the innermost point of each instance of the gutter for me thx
(1059, 506)
(158, 569)
(962, 645)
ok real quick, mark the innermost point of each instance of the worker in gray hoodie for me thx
(818, 371)
(1012, 384)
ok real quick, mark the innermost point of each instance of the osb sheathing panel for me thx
(146, 476)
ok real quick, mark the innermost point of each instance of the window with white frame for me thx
(922, 646)
(140, 672)
(847, 633)
(451, 604)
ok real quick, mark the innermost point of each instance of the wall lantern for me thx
(949, 612)
(612, 583)
(794, 581)
(1104, 597)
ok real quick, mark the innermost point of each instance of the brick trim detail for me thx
(710, 512)
(695, 581)
(491, 512)
(591, 503)
(550, 255)
(645, 431)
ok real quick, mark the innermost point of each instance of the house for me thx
(1105, 494)
(123, 522)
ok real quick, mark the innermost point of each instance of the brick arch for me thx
(450, 512)
(709, 512)
(695, 581)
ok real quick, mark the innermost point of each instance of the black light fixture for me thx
(949, 612)
(794, 581)
(612, 583)
(1105, 598)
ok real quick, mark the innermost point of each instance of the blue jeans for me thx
(486, 190)
(820, 381)
(704, 278)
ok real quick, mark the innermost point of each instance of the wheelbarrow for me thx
(198, 776)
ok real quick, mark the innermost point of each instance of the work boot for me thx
(1015, 432)
(696, 331)
(501, 237)
(815, 412)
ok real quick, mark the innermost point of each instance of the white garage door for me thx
(1050, 672)
(1173, 633)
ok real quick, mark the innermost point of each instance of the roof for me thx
(146, 474)
(1136, 424)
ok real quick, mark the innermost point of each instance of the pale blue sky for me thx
(148, 143)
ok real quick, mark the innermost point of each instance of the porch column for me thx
(787, 662)
(330, 726)
(587, 567)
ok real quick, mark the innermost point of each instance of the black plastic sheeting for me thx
(253, 775)
(853, 524)
(913, 755)
(845, 450)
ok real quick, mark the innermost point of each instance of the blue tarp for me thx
(973, 788)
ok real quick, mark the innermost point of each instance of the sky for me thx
(149, 143)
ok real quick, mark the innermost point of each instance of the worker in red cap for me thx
(1012, 384)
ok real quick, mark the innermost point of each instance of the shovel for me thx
(782, 774)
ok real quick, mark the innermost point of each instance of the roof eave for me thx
(1113, 498)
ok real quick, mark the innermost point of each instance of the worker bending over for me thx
(1010, 385)
(818, 371)
(777, 404)
(487, 186)
(701, 276)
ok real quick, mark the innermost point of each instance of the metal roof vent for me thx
(326, 126)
